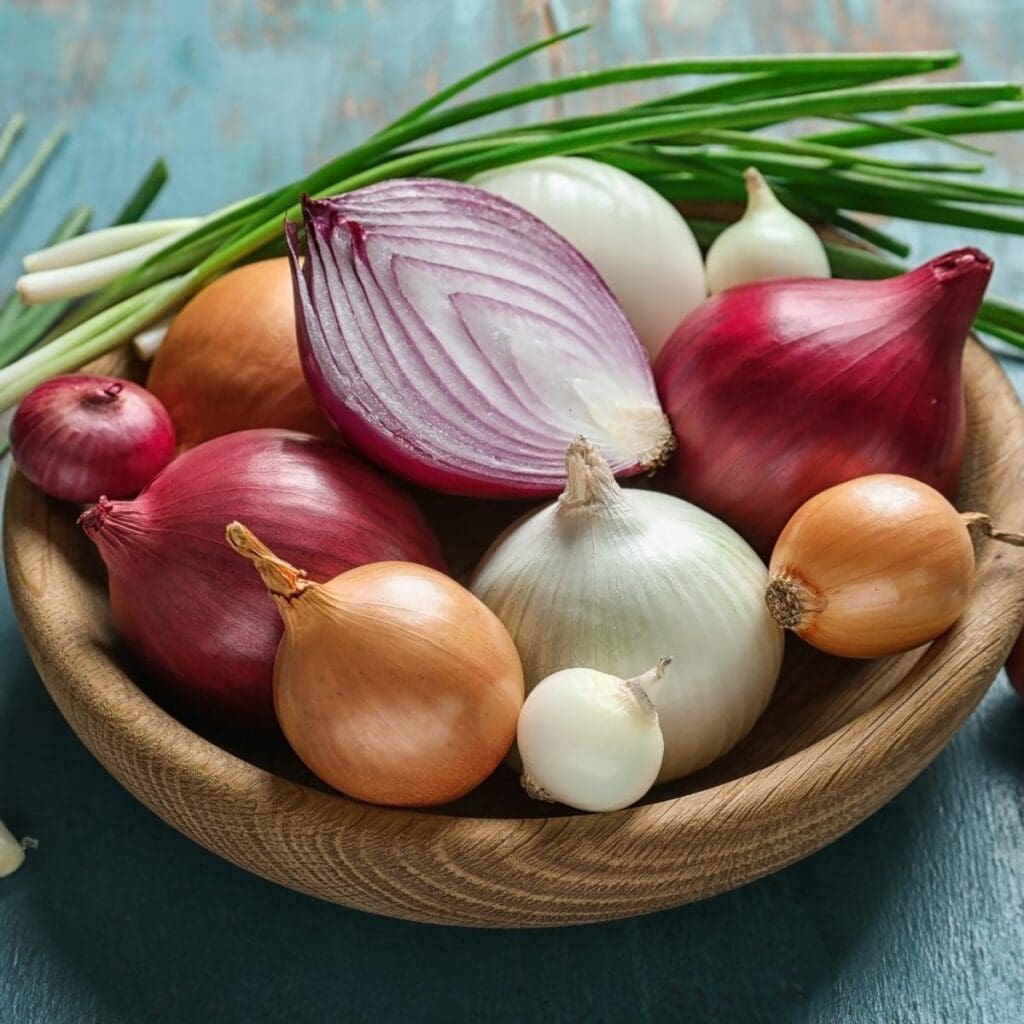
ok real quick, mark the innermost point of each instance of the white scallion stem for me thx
(96, 244)
(147, 342)
(73, 282)
(12, 853)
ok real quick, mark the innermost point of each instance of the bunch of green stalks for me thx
(691, 145)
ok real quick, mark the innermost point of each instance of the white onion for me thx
(636, 240)
(767, 242)
(615, 579)
(590, 740)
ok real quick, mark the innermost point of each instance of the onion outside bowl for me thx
(838, 741)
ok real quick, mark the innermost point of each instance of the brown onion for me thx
(874, 566)
(393, 683)
(230, 360)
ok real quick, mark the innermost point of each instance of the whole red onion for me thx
(780, 389)
(190, 609)
(78, 437)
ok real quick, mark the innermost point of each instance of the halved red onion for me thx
(456, 339)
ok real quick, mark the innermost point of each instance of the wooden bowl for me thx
(838, 741)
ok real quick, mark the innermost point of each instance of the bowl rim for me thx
(889, 742)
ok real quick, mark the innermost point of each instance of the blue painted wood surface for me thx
(916, 916)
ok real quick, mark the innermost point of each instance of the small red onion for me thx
(780, 389)
(193, 612)
(457, 340)
(78, 437)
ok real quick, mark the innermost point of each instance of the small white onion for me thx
(615, 579)
(767, 242)
(637, 241)
(590, 740)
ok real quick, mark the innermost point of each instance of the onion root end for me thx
(534, 791)
(791, 603)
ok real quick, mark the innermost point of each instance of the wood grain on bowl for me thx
(840, 739)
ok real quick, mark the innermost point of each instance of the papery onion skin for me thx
(636, 239)
(616, 578)
(590, 740)
(77, 437)
(392, 682)
(403, 751)
(189, 609)
(230, 360)
(872, 567)
(455, 339)
(780, 389)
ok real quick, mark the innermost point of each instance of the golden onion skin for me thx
(230, 360)
(871, 567)
(396, 685)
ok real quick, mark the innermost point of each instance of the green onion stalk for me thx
(689, 145)
(22, 326)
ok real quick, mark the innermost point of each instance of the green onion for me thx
(32, 169)
(87, 341)
(19, 326)
(1008, 117)
(763, 85)
(142, 198)
(338, 172)
(834, 154)
(11, 130)
(1006, 334)
(453, 90)
(753, 114)
(102, 244)
(23, 327)
(690, 144)
(895, 180)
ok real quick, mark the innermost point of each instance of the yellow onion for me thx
(392, 683)
(230, 360)
(874, 566)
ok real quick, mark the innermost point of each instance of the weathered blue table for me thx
(917, 916)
